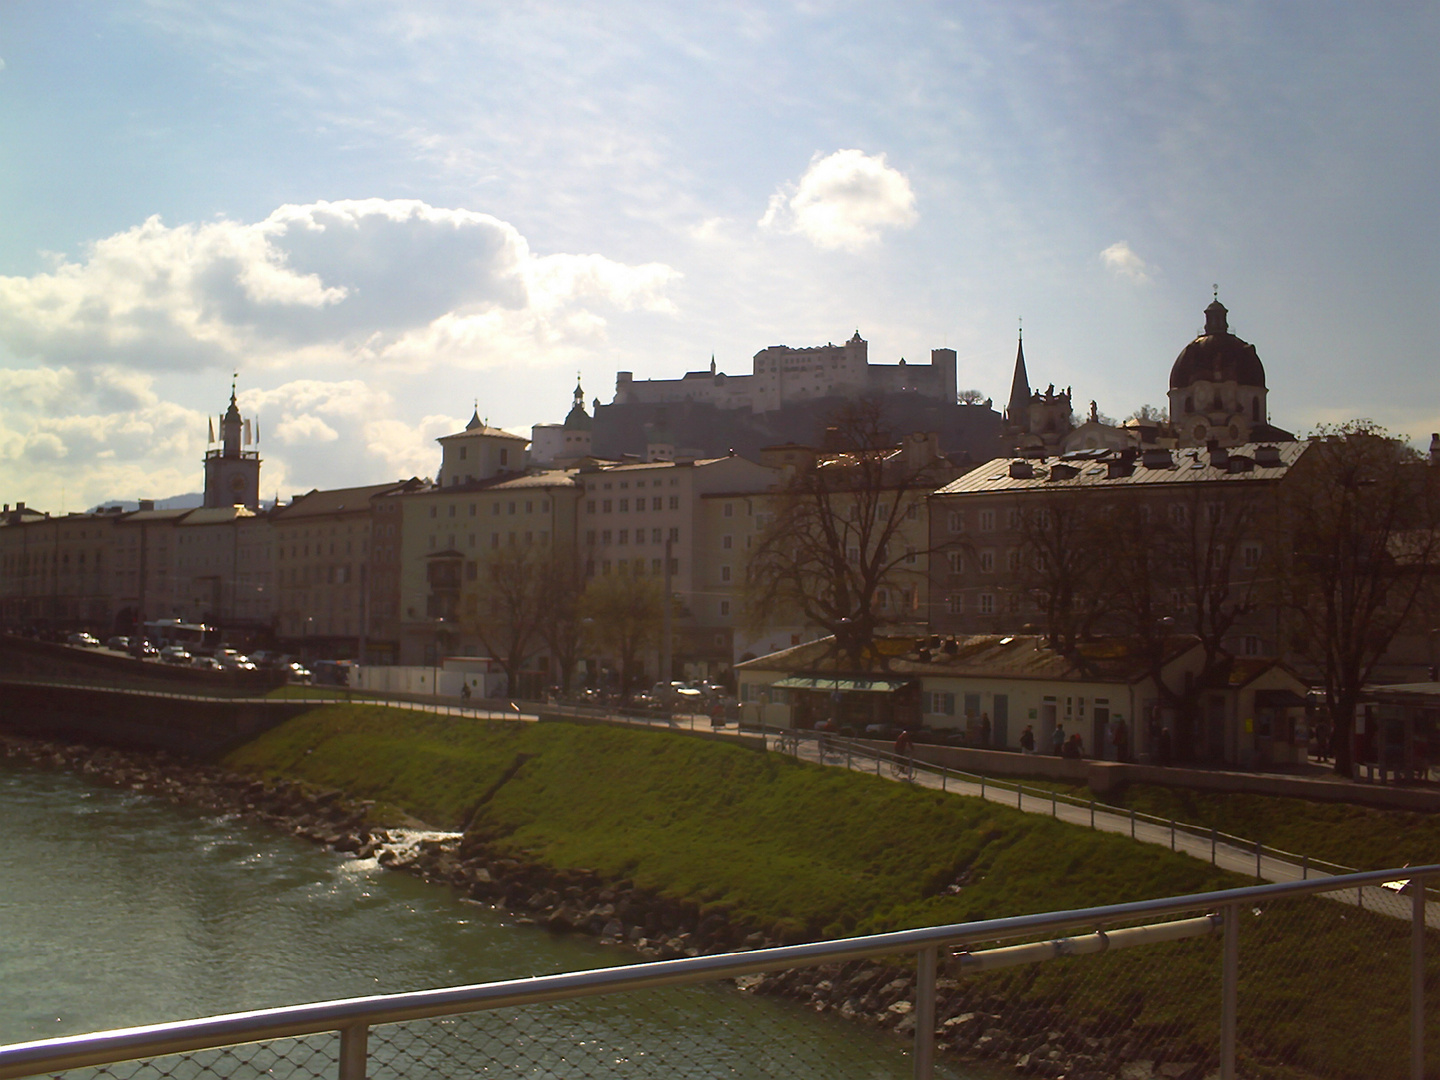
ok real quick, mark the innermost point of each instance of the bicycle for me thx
(902, 769)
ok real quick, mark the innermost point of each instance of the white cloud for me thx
(1123, 262)
(304, 429)
(371, 281)
(843, 201)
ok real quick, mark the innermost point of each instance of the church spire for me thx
(1016, 412)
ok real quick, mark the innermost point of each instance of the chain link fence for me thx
(1276, 982)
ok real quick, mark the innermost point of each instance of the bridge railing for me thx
(1273, 980)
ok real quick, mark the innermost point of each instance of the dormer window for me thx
(504, 456)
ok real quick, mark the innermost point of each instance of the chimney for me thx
(1435, 448)
(1219, 455)
(19, 506)
(1157, 458)
(147, 504)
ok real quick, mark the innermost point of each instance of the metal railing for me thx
(830, 748)
(1102, 931)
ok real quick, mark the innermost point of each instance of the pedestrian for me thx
(1120, 734)
(1027, 740)
(1057, 739)
(1074, 748)
(984, 729)
(1164, 746)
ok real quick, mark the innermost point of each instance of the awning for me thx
(1278, 699)
(830, 686)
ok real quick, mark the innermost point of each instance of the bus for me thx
(162, 632)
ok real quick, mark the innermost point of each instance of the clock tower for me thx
(232, 473)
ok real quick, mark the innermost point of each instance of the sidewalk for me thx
(1227, 856)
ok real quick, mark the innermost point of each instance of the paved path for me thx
(1227, 856)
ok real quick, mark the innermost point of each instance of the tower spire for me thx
(1016, 410)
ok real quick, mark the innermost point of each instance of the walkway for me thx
(1215, 848)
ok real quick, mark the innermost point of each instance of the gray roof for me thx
(1091, 469)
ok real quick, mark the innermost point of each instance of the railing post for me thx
(1304, 867)
(1258, 848)
(1132, 823)
(1229, 991)
(925, 1013)
(1172, 834)
(1213, 839)
(1019, 796)
(1092, 811)
(1417, 979)
(353, 1051)
(1054, 804)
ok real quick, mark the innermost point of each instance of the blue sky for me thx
(382, 212)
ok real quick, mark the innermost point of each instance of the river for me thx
(119, 909)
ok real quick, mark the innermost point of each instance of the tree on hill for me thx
(505, 613)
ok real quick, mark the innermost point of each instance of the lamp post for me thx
(665, 658)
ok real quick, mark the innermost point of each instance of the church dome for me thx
(1217, 356)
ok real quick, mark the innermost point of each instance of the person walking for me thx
(1057, 739)
(985, 730)
(1027, 740)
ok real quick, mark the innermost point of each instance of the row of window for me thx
(1178, 513)
(511, 508)
(607, 506)
(622, 536)
(625, 484)
(623, 567)
(511, 539)
(1014, 559)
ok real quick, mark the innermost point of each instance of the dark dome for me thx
(1217, 356)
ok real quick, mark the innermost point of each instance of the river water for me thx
(117, 909)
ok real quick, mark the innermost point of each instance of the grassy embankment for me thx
(1358, 836)
(821, 852)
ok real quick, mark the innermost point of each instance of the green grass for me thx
(294, 690)
(1342, 833)
(809, 852)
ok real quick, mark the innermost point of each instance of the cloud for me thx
(1123, 262)
(843, 201)
(304, 429)
(369, 281)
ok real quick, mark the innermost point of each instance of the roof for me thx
(545, 478)
(1217, 356)
(1092, 469)
(336, 500)
(145, 516)
(217, 515)
(1015, 656)
(475, 427)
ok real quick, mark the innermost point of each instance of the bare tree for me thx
(624, 618)
(970, 397)
(837, 551)
(505, 615)
(1362, 512)
(1063, 564)
(560, 622)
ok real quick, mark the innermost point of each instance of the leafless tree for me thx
(1362, 511)
(838, 542)
(560, 622)
(1063, 563)
(624, 619)
(506, 613)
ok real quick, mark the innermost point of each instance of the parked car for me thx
(297, 673)
(143, 649)
(175, 654)
(118, 643)
(206, 663)
(234, 661)
(84, 640)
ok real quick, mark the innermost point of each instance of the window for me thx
(656, 502)
(954, 604)
(605, 506)
(624, 536)
(940, 703)
(605, 536)
(675, 533)
(1012, 560)
(529, 506)
(1250, 554)
(1214, 512)
(589, 506)
(1252, 645)
(987, 603)
(504, 456)
(1177, 514)
(727, 542)
(987, 562)
(987, 520)
(472, 509)
(674, 500)
(728, 510)
(452, 510)
(1012, 518)
(956, 559)
(655, 565)
(912, 512)
(725, 573)
(910, 556)
(724, 607)
(510, 509)
(624, 505)
(882, 599)
(590, 538)
(656, 535)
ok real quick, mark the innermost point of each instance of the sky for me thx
(385, 215)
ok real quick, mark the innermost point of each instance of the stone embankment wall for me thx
(195, 727)
(972, 1023)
